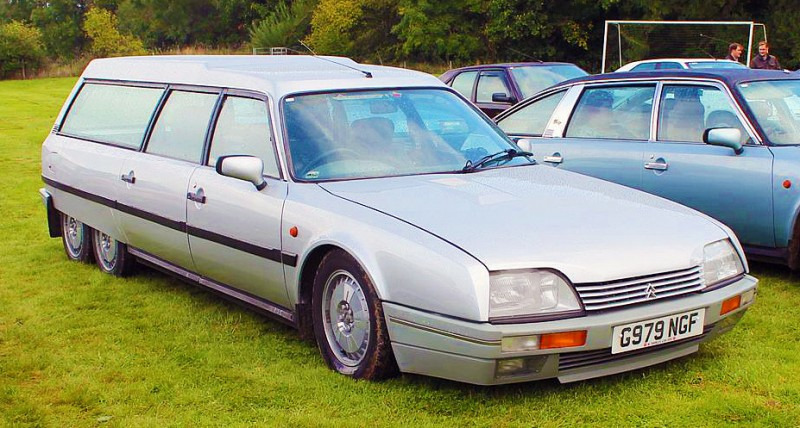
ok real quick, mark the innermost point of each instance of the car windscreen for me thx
(379, 133)
(714, 64)
(532, 79)
(776, 107)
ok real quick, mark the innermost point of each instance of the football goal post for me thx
(627, 41)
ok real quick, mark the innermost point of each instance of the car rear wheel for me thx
(111, 255)
(77, 239)
(348, 320)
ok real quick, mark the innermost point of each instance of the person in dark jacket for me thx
(734, 52)
(764, 61)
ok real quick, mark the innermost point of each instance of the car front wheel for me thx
(77, 239)
(348, 320)
(111, 255)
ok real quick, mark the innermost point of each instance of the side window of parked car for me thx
(112, 114)
(532, 119)
(668, 66)
(617, 112)
(180, 130)
(686, 111)
(491, 83)
(243, 129)
(464, 82)
(647, 66)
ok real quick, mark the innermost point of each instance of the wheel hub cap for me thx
(347, 322)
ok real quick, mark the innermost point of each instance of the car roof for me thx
(730, 76)
(510, 65)
(277, 75)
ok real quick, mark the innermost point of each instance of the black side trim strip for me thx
(267, 253)
(85, 195)
(265, 306)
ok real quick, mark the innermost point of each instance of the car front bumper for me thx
(465, 351)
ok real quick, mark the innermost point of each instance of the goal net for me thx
(628, 41)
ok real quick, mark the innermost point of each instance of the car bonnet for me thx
(541, 217)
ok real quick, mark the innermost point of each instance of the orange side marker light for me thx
(787, 184)
(293, 231)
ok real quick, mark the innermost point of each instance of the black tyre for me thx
(77, 239)
(348, 320)
(111, 255)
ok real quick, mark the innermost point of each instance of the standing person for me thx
(764, 61)
(734, 52)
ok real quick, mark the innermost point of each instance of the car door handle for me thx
(658, 166)
(197, 196)
(129, 177)
(555, 158)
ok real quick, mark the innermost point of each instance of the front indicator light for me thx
(567, 339)
(731, 304)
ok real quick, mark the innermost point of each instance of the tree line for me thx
(37, 32)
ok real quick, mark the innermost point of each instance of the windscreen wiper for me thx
(505, 155)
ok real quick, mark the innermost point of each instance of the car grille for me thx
(605, 295)
(576, 360)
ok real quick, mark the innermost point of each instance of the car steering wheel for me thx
(322, 158)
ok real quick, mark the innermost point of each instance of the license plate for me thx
(657, 331)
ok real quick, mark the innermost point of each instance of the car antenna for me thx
(367, 74)
(526, 55)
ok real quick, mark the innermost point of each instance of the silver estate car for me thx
(378, 212)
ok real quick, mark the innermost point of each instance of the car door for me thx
(733, 188)
(603, 135)
(492, 82)
(234, 228)
(153, 190)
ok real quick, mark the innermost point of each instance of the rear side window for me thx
(621, 112)
(464, 82)
(243, 129)
(532, 119)
(180, 130)
(112, 114)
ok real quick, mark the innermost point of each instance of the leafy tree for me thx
(21, 48)
(100, 27)
(60, 23)
(358, 28)
(441, 30)
(284, 26)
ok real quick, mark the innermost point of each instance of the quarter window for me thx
(618, 112)
(112, 114)
(180, 130)
(490, 84)
(686, 111)
(532, 119)
(464, 82)
(243, 129)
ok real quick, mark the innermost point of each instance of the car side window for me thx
(532, 119)
(686, 111)
(489, 84)
(243, 129)
(180, 130)
(617, 112)
(645, 67)
(112, 114)
(464, 82)
(669, 66)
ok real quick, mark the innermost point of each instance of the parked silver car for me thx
(378, 212)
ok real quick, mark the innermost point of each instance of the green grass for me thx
(79, 348)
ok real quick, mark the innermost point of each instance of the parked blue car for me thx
(724, 142)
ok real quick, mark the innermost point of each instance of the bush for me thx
(100, 27)
(21, 48)
(284, 26)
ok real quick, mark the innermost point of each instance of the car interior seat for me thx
(685, 120)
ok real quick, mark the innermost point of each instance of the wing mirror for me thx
(724, 137)
(500, 97)
(525, 145)
(247, 168)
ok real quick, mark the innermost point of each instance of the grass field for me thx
(79, 348)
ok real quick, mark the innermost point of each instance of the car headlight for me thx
(530, 292)
(720, 262)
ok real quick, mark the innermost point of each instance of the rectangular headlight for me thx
(720, 262)
(529, 292)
